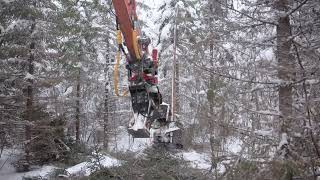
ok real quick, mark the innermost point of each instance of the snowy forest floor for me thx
(124, 153)
(8, 171)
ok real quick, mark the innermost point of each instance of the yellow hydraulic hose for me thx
(116, 74)
(119, 37)
(116, 67)
(135, 44)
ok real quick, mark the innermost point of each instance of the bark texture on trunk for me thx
(106, 98)
(78, 110)
(286, 69)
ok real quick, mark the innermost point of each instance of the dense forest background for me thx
(248, 86)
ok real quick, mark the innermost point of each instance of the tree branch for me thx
(235, 78)
(248, 16)
(298, 7)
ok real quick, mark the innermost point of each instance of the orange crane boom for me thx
(126, 17)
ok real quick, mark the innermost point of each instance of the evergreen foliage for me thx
(153, 164)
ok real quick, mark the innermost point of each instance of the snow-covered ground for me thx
(8, 172)
(197, 160)
(200, 160)
(86, 168)
(123, 143)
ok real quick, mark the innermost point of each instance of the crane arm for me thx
(126, 16)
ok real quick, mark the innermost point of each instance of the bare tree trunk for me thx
(177, 81)
(212, 138)
(214, 9)
(285, 71)
(106, 98)
(78, 110)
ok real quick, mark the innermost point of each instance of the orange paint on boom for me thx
(126, 22)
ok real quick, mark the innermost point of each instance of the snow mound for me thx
(42, 172)
(8, 172)
(197, 160)
(86, 168)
